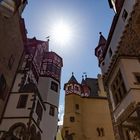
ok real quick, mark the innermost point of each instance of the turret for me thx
(72, 87)
(101, 49)
(73, 110)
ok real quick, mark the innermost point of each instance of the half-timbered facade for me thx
(32, 108)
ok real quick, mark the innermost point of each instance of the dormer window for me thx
(69, 87)
(76, 88)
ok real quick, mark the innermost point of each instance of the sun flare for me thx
(62, 33)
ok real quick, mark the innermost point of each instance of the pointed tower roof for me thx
(83, 82)
(72, 79)
(102, 40)
(101, 44)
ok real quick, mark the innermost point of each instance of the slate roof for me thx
(72, 80)
(92, 83)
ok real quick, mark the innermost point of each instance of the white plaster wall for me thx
(17, 82)
(48, 95)
(13, 111)
(43, 85)
(128, 5)
(49, 124)
(7, 123)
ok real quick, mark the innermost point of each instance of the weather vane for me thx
(48, 38)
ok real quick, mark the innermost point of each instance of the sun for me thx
(62, 33)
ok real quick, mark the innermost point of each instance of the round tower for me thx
(49, 88)
(73, 108)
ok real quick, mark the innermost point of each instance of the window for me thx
(137, 77)
(77, 106)
(22, 101)
(72, 119)
(100, 131)
(118, 88)
(76, 88)
(110, 52)
(3, 87)
(66, 133)
(39, 110)
(54, 86)
(69, 87)
(124, 15)
(52, 110)
(11, 62)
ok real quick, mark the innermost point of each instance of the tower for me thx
(86, 113)
(34, 96)
(49, 87)
(120, 68)
(73, 107)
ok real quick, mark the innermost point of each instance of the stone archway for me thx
(15, 132)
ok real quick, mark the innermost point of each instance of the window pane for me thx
(39, 110)
(77, 106)
(54, 86)
(3, 87)
(52, 110)
(72, 119)
(22, 101)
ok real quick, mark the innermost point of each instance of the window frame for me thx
(54, 86)
(72, 119)
(21, 104)
(118, 88)
(124, 15)
(77, 106)
(52, 111)
(39, 110)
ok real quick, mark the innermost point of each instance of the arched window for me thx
(16, 131)
(100, 131)
(69, 87)
(76, 88)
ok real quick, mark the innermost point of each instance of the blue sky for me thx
(86, 18)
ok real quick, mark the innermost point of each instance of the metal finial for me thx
(100, 33)
(48, 38)
(82, 76)
(72, 73)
